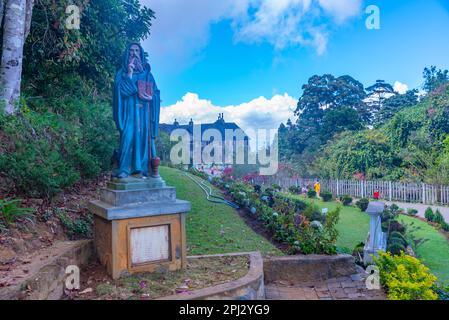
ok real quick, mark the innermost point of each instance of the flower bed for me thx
(300, 226)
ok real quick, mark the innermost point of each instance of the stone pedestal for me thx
(377, 240)
(139, 226)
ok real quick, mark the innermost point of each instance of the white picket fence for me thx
(391, 191)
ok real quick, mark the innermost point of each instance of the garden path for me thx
(343, 288)
(422, 208)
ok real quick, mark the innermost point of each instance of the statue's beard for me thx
(137, 63)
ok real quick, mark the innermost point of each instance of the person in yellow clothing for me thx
(317, 188)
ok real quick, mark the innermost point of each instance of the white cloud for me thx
(285, 23)
(260, 113)
(341, 10)
(400, 88)
(182, 28)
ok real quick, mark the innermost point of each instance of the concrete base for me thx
(134, 206)
(132, 183)
(113, 246)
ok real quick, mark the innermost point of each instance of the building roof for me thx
(220, 125)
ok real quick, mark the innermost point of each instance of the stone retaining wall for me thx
(311, 268)
(250, 287)
(46, 278)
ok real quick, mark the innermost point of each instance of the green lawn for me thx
(353, 229)
(435, 252)
(214, 228)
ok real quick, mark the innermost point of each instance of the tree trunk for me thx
(28, 17)
(17, 22)
(2, 7)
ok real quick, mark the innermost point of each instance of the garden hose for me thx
(209, 193)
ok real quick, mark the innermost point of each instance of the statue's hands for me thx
(131, 68)
(146, 97)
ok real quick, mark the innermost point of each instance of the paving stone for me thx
(348, 284)
(334, 285)
(321, 287)
(324, 294)
(332, 289)
(356, 277)
(350, 290)
(354, 296)
(339, 294)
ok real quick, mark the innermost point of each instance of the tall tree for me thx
(377, 95)
(339, 120)
(327, 92)
(434, 78)
(394, 104)
(17, 22)
(323, 98)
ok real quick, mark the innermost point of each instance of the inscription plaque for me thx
(150, 244)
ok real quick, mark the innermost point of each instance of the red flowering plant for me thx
(227, 174)
(360, 176)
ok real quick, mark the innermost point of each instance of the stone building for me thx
(221, 127)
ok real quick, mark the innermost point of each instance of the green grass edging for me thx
(214, 228)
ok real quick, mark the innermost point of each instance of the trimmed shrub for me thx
(362, 204)
(392, 226)
(299, 205)
(438, 217)
(313, 213)
(405, 277)
(346, 200)
(429, 215)
(445, 226)
(311, 194)
(326, 196)
(412, 212)
(396, 248)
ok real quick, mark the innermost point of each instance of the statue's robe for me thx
(136, 120)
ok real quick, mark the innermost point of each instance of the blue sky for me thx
(239, 55)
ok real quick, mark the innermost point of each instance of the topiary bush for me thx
(326, 196)
(346, 200)
(438, 217)
(362, 204)
(429, 215)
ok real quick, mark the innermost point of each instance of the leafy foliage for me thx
(76, 228)
(362, 204)
(291, 221)
(405, 277)
(63, 130)
(434, 78)
(11, 211)
(429, 215)
(346, 200)
(333, 137)
(326, 196)
(311, 194)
